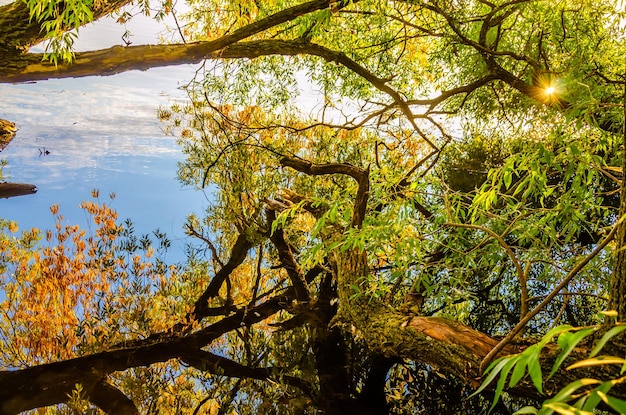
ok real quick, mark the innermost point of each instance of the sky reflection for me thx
(101, 133)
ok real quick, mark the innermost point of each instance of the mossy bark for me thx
(448, 345)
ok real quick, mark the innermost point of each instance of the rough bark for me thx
(448, 345)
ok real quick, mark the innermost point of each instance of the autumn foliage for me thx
(71, 289)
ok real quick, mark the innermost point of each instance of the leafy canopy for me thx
(463, 158)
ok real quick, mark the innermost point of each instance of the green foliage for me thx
(485, 191)
(581, 396)
(60, 21)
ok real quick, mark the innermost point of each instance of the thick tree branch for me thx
(238, 254)
(111, 400)
(207, 361)
(360, 175)
(288, 261)
(465, 89)
(119, 59)
(8, 190)
(50, 384)
(373, 393)
(30, 67)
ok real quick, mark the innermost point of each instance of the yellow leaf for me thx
(596, 361)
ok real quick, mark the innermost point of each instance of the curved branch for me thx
(120, 59)
(361, 176)
(521, 274)
(207, 361)
(111, 400)
(465, 89)
(238, 254)
(312, 169)
(288, 261)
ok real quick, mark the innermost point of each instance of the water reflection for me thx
(98, 132)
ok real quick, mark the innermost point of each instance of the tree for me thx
(454, 198)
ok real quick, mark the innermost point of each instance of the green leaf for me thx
(597, 361)
(526, 410)
(566, 393)
(568, 341)
(607, 336)
(519, 371)
(564, 409)
(494, 368)
(502, 381)
(508, 178)
(594, 399)
(534, 369)
(332, 214)
(555, 332)
(617, 404)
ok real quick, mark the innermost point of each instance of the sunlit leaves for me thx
(71, 295)
(527, 186)
(578, 397)
(60, 23)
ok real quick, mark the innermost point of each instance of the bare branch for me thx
(206, 361)
(360, 175)
(521, 274)
(238, 254)
(288, 261)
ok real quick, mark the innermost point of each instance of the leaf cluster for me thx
(581, 396)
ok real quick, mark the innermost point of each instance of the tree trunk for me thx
(19, 32)
(617, 300)
(448, 345)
